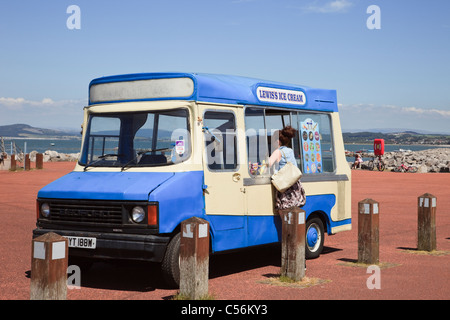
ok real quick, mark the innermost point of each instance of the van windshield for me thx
(136, 139)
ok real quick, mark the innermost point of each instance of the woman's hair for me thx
(286, 135)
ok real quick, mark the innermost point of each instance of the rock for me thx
(430, 160)
(422, 169)
(53, 156)
(32, 155)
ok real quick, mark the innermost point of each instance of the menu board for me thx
(312, 149)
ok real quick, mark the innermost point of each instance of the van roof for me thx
(214, 88)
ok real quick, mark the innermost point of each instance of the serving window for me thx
(312, 143)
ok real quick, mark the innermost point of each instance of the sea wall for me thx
(430, 160)
(54, 156)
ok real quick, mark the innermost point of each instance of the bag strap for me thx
(281, 150)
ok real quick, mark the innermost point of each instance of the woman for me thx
(295, 195)
(358, 161)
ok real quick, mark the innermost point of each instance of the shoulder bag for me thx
(286, 176)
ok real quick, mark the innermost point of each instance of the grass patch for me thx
(180, 296)
(283, 281)
(436, 253)
(381, 265)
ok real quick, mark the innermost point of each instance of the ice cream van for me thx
(159, 148)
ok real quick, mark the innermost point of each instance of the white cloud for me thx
(47, 101)
(20, 103)
(336, 6)
(43, 113)
(371, 116)
(12, 103)
(393, 108)
(443, 113)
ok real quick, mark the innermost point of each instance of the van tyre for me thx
(170, 265)
(314, 238)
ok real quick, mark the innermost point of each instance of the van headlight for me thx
(45, 210)
(138, 214)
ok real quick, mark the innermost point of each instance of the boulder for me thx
(430, 160)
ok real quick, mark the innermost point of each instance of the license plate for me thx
(82, 242)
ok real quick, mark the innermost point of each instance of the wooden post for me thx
(426, 224)
(49, 267)
(13, 162)
(293, 243)
(39, 161)
(368, 232)
(27, 162)
(194, 258)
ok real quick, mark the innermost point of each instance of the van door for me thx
(263, 222)
(224, 190)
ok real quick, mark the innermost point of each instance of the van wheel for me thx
(170, 265)
(314, 238)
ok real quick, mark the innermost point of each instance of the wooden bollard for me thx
(49, 267)
(426, 223)
(194, 258)
(13, 163)
(27, 162)
(368, 232)
(39, 161)
(293, 243)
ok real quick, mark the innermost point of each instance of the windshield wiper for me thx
(101, 158)
(151, 150)
(128, 163)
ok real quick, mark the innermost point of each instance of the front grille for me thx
(86, 212)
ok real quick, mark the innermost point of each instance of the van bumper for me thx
(116, 246)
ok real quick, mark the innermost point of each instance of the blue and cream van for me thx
(159, 148)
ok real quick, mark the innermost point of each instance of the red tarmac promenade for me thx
(405, 274)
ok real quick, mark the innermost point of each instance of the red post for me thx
(13, 162)
(27, 162)
(39, 161)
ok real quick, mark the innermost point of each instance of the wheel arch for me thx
(323, 217)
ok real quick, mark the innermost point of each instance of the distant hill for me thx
(407, 137)
(27, 131)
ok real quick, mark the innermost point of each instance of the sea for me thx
(74, 146)
(42, 145)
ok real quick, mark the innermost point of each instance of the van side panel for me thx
(344, 187)
(232, 232)
(180, 198)
(263, 230)
(267, 229)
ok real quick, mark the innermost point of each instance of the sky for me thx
(389, 60)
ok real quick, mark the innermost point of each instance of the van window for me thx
(257, 146)
(277, 119)
(316, 143)
(312, 144)
(261, 127)
(220, 140)
(137, 139)
(104, 136)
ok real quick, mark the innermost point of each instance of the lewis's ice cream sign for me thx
(275, 95)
